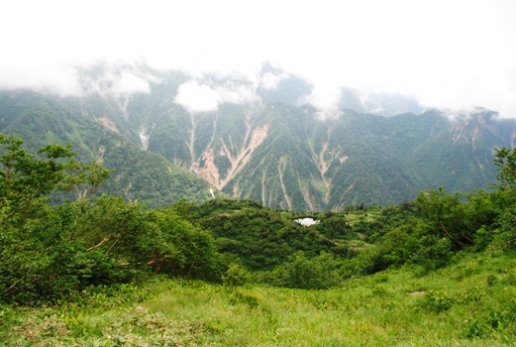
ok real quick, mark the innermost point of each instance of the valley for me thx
(108, 270)
(224, 173)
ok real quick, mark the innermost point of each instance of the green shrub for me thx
(506, 233)
(316, 273)
(436, 301)
(235, 275)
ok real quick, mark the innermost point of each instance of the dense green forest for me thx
(56, 252)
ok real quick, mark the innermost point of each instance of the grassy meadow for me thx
(469, 303)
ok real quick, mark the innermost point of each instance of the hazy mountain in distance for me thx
(382, 104)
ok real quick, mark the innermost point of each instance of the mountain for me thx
(382, 104)
(261, 141)
(88, 125)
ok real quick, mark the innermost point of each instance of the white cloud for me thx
(326, 100)
(270, 80)
(197, 98)
(128, 84)
(118, 79)
(449, 53)
(236, 93)
(43, 77)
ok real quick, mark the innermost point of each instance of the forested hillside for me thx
(269, 147)
(136, 174)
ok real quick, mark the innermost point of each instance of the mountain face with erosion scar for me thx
(264, 143)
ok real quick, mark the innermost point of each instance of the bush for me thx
(236, 275)
(436, 301)
(506, 237)
(432, 252)
(316, 273)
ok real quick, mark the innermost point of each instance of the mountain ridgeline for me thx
(274, 149)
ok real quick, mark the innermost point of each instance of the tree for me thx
(25, 178)
(505, 161)
(32, 240)
(444, 213)
(179, 248)
(84, 178)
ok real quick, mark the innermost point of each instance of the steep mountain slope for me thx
(90, 126)
(272, 148)
(283, 156)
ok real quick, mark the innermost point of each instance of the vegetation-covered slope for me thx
(470, 303)
(433, 270)
(283, 156)
(273, 148)
(137, 174)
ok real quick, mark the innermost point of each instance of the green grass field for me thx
(470, 303)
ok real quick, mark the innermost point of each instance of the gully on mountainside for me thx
(204, 165)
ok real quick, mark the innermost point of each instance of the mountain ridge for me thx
(275, 149)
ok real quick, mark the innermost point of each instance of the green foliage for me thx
(182, 249)
(263, 238)
(85, 178)
(25, 177)
(91, 249)
(236, 275)
(506, 233)
(396, 307)
(48, 252)
(413, 242)
(428, 231)
(443, 212)
(432, 252)
(317, 273)
(51, 251)
(505, 161)
(30, 242)
(335, 227)
(436, 301)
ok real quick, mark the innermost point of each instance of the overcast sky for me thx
(454, 54)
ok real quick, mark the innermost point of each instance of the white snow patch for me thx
(307, 221)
